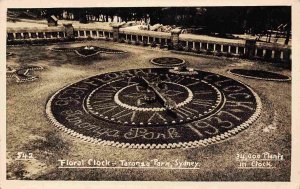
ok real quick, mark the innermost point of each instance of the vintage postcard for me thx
(199, 94)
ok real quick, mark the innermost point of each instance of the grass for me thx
(28, 129)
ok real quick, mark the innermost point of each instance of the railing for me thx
(92, 32)
(188, 42)
(236, 47)
(34, 33)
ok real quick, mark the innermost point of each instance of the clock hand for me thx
(168, 103)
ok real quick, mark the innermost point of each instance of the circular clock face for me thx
(194, 100)
(154, 108)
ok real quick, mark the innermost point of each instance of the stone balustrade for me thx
(188, 42)
(35, 33)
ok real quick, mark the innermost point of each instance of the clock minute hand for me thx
(168, 103)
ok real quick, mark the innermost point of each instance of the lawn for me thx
(29, 130)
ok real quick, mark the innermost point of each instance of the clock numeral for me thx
(79, 88)
(130, 82)
(201, 102)
(186, 112)
(94, 82)
(123, 114)
(110, 77)
(219, 83)
(156, 116)
(192, 84)
(202, 92)
(244, 95)
(167, 78)
(140, 72)
(100, 101)
(111, 90)
(178, 79)
(127, 81)
(246, 105)
(100, 98)
(115, 88)
(105, 108)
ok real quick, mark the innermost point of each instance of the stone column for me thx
(222, 47)
(69, 31)
(273, 54)
(215, 47)
(264, 52)
(250, 48)
(116, 31)
(237, 50)
(200, 45)
(175, 37)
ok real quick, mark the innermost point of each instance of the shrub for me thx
(178, 47)
(170, 46)
(122, 40)
(145, 43)
(199, 51)
(137, 43)
(218, 53)
(153, 44)
(187, 48)
(208, 52)
(162, 45)
(242, 55)
(194, 50)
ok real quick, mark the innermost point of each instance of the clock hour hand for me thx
(167, 102)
